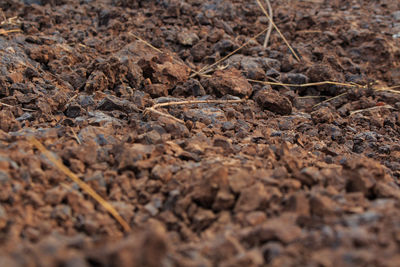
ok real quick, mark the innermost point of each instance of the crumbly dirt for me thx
(274, 180)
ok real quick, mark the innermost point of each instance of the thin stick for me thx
(277, 29)
(4, 17)
(186, 102)
(204, 69)
(145, 42)
(389, 89)
(306, 84)
(10, 106)
(6, 105)
(85, 187)
(271, 15)
(159, 51)
(329, 99)
(369, 109)
(309, 31)
(312, 96)
(67, 187)
(76, 136)
(275, 80)
(163, 114)
(72, 99)
(10, 21)
(4, 32)
(190, 102)
(393, 91)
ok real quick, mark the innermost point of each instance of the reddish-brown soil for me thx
(272, 181)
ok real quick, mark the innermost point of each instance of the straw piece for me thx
(10, 106)
(190, 102)
(306, 84)
(84, 186)
(277, 29)
(369, 109)
(329, 99)
(187, 102)
(271, 15)
(204, 69)
(5, 32)
(163, 114)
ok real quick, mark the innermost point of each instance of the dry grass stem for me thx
(190, 102)
(277, 81)
(163, 114)
(312, 96)
(9, 21)
(390, 89)
(206, 68)
(187, 102)
(71, 99)
(84, 186)
(313, 84)
(271, 15)
(387, 89)
(3, 16)
(310, 31)
(10, 106)
(329, 99)
(5, 105)
(394, 87)
(306, 84)
(370, 109)
(209, 68)
(5, 32)
(76, 136)
(277, 29)
(159, 51)
(145, 42)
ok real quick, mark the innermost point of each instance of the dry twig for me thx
(5, 32)
(306, 84)
(85, 187)
(145, 42)
(277, 29)
(10, 106)
(76, 136)
(312, 96)
(187, 102)
(271, 15)
(152, 109)
(159, 51)
(370, 109)
(387, 89)
(394, 87)
(329, 99)
(9, 21)
(206, 68)
(190, 102)
(313, 84)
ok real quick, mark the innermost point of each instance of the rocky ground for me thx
(272, 180)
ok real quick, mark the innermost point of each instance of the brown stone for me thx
(231, 81)
(252, 198)
(322, 205)
(273, 101)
